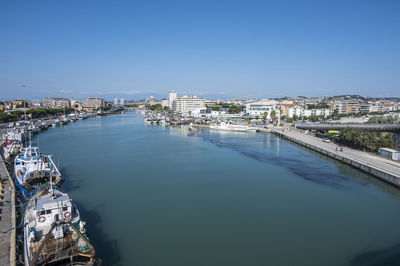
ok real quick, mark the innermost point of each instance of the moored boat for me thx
(12, 144)
(54, 233)
(33, 171)
(233, 127)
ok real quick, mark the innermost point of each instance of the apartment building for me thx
(185, 104)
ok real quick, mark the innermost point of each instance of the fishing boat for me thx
(12, 144)
(233, 127)
(43, 125)
(54, 233)
(56, 122)
(33, 129)
(33, 171)
(81, 116)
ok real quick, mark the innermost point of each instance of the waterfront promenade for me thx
(380, 167)
(7, 218)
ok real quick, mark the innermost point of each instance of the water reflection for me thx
(308, 164)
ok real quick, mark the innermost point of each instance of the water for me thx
(171, 196)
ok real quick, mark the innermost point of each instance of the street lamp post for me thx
(23, 95)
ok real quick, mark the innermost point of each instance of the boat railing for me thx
(52, 165)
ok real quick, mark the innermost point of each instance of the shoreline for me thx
(381, 168)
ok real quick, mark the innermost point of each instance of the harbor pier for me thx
(7, 217)
(385, 169)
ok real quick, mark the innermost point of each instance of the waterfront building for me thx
(387, 106)
(217, 114)
(8, 105)
(198, 112)
(296, 110)
(77, 105)
(317, 112)
(62, 102)
(364, 106)
(353, 107)
(122, 101)
(211, 103)
(340, 106)
(115, 101)
(36, 103)
(171, 98)
(19, 102)
(151, 100)
(48, 102)
(185, 104)
(54, 102)
(165, 103)
(94, 103)
(259, 108)
(284, 107)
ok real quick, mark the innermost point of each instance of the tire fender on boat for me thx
(67, 215)
(42, 219)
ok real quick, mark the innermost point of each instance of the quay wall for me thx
(11, 223)
(389, 177)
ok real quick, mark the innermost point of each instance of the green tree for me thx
(265, 114)
(370, 141)
(156, 107)
(273, 115)
(21, 105)
(234, 109)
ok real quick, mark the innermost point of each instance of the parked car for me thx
(326, 140)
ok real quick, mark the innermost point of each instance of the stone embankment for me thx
(380, 167)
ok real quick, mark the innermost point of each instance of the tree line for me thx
(366, 140)
(33, 113)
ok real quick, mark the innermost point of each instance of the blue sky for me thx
(218, 49)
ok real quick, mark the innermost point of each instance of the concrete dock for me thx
(384, 169)
(7, 218)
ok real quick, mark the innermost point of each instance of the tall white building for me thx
(171, 98)
(116, 101)
(122, 101)
(185, 104)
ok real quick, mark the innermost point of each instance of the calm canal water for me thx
(170, 196)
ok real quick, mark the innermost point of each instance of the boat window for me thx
(65, 209)
(42, 212)
(48, 211)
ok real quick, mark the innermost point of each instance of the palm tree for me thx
(273, 115)
(265, 116)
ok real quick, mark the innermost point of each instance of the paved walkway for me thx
(7, 218)
(369, 159)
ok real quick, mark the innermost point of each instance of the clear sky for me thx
(220, 49)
